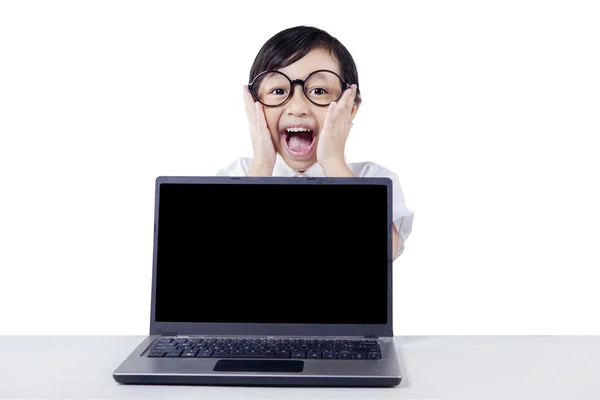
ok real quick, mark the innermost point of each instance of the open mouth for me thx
(299, 141)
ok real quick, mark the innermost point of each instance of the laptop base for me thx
(223, 380)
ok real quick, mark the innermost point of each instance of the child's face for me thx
(299, 111)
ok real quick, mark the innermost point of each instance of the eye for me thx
(277, 92)
(318, 91)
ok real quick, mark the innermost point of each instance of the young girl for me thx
(302, 97)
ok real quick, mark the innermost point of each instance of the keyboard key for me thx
(251, 355)
(328, 349)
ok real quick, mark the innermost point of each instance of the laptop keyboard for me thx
(266, 348)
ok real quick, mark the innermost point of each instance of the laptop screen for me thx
(272, 253)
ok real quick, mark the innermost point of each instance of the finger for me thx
(248, 99)
(350, 99)
(331, 115)
(249, 102)
(352, 96)
(345, 106)
(344, 100)
(261, 120)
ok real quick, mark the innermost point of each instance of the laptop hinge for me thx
(168, 334)
(371, 335)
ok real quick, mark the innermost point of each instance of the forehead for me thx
(314, 60)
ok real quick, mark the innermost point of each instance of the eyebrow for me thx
(319, 74)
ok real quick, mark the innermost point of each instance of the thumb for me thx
(350, 126)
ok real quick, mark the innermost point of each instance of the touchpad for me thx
(259, 366)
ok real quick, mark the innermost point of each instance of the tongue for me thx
(300, 141)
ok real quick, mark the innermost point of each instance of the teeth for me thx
(298, 129)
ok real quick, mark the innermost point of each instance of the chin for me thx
(298, 165)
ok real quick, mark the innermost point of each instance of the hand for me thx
(333, 136)
(262, 143)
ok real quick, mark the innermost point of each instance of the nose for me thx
(297, 104)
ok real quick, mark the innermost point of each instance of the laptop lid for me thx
(272, 256)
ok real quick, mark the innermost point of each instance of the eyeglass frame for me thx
(293, 83)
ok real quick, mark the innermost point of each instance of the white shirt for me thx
(401, 215)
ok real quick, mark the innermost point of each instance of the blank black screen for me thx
(272, 253)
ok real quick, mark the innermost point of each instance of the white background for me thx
(488, 111)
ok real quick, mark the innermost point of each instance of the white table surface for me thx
(434, 367)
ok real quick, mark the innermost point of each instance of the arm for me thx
(395, 242)
(342, 170)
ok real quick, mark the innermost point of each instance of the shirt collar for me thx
(282, 169)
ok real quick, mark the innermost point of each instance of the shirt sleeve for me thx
(238, 167)
(402, 217)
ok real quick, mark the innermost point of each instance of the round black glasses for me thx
(321, 87)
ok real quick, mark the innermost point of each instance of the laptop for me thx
(269, 281)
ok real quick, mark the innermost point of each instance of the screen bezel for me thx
(272, 329)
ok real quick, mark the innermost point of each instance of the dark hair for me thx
(290, 45)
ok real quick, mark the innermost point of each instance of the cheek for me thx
(272, 117)
(321, 115)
